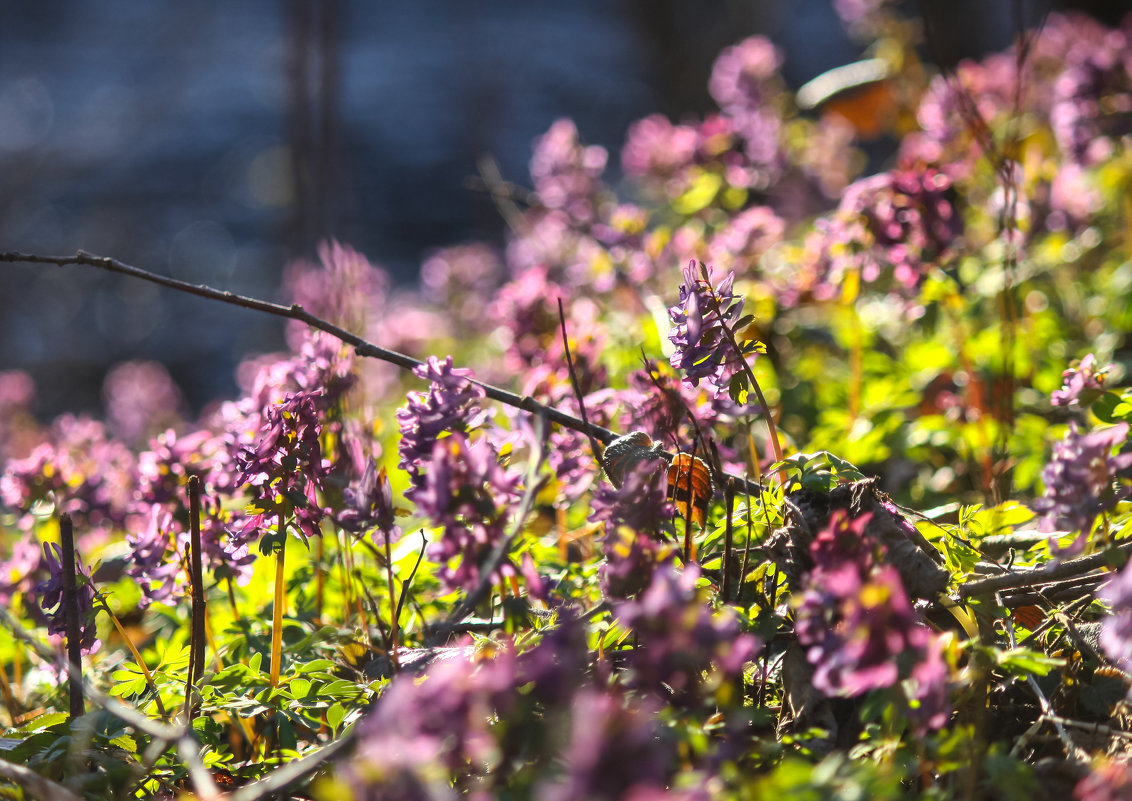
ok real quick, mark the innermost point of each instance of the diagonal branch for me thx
(1049, 573)
(297, 312)
(361, 346)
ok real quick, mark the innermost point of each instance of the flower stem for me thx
(101, 599)
(775, 444)
(71, 615)
(393, 607)
(277, 612)
(196, 572)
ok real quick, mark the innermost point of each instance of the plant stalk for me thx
(277, 610)
(71, 616)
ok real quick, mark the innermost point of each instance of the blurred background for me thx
(216, 142)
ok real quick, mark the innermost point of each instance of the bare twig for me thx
(292, 772)
(297, 312)
(362, 347)
(35, 785)
(594, 449)
(1047, 574)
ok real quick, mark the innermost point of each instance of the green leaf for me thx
(737, 387)
(334, 715)
(1021, 661)
(1105, 407)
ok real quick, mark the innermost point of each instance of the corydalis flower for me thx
(680, 637)
(465, 491)
(1079, 479)
(704, 323)
(640, 503)
(1082, 377)
(449, 406)
(745, 83)
(1116, 629)
(566, 174)
(858, 627)
(285, 465)
(79, 470)
(1108, 780)
(369, 505)
(893, 225)
(616, 750)
(51, 598)
(141, 398)
(427, 733)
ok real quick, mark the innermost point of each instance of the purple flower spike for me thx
(51, 599)
(680, 637)
(859, 629)
(701, 321)
(450, 406)
(1116, 630)
(466, 491)
(285, 465)
(640, 503)
(369, 505)
(1083, 377)
(1079, 480)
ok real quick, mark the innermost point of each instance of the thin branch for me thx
(362, 347)
(196, 569)
(594, 449)
(35, 785)
(292, 772)
(1047, 574)
(297, 312)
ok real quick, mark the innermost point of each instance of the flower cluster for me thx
(703, 328)
(17, 429)
(441, 722)
(286, 468)
(368, 504)
(1108, 780)
(744, 82)
(858, 627)
(639, 503)
(567, 174)
(1092, 98)
(892, 226)
(679, 638)
(460, 280)
(1116, 631)
(1081, 378)
(141, 400)
(51, 598)
(451, 405)
(615, 751)
(465, 491)
(79, 470)
(343, 288)
(1079, 479)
